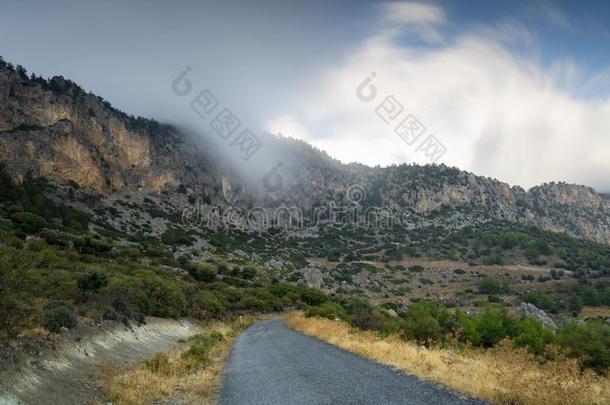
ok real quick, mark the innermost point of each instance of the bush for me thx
(541, 300)
(330, 310)
(29, 222)
(163, 298)
(416, 268)
(467, 329)
(590, 341)
(17, 285)
(248, 273)
(424, 330)
(198, 352)
(491, 327)
(202, 272)
(58, 314)
(175, 236)
(533, 335)
(313, 297)
(92, 280)
(204, 304)
(364, 315)
(491, 285)
(575, 304)
(427, 322)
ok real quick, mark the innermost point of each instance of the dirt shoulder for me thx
(63, 375)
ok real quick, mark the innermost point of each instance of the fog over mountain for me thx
(510, 91)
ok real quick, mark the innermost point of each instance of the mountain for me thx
(54, 129)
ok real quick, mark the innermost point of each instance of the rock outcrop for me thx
(526, 309)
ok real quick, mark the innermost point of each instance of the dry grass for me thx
(501, 375)
(594, 312)
(170, 376)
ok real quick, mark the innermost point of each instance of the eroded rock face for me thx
(54, 129)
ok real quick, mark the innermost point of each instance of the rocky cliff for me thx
(53, 128)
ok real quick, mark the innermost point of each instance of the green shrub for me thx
(248, 273)
(490, 327)
(491, 285)
(590, 341)
(541, 300)
(175, 236)
(202, 272)
(14, 241)
(424, 330)
(163, 298)
(29, 222)
(18, 283)
(313, 297)
(92, 280)
(200, 347)
(426, 322)
(533, 335)
(92, 246)
(416, 268)
(363, 314)
(330, 310)
(467, 329)
(205, 304)
(250, 303)
(575, 304)
(58, 314)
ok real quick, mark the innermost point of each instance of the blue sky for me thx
(517, 90)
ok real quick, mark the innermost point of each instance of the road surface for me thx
(271, 364)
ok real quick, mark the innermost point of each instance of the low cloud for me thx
(498, 112)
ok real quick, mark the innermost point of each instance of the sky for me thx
(519, 91)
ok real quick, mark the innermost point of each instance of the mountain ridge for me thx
(53, 128)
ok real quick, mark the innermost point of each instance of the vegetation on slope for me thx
(55, 271)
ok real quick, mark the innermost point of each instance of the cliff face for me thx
(54, 129)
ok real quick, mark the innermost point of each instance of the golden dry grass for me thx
(594, 312)
(501, 375)
(174, 377)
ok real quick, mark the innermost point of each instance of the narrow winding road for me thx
(271, 364)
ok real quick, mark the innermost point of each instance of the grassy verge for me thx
(190, 372)
(502, 375)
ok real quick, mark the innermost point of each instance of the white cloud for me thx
(288, 125)
(499, 114)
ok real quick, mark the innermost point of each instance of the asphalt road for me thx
(271, 364)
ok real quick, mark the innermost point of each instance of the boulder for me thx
(530, 310)
(313, 277)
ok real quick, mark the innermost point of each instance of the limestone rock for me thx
(530, 310)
